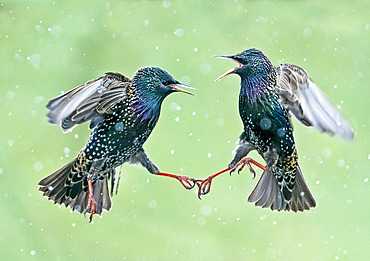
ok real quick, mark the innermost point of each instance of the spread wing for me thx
(88, 102)
(304, 100)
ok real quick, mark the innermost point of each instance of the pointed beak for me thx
(232, 70)
(175, 88)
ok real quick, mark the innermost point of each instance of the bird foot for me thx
(92, 203)
(204, 186)
(247, 162)
(92, 207)
(187, 182)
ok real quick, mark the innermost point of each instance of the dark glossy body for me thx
(268, 129)
(123, 113)
(267, 125)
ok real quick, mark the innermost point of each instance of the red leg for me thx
(92, 202)
(205, 184)
(187, 182)
(248, 161)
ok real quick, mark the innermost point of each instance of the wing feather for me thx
(306, 102)
(88, 102)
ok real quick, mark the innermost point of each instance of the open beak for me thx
(175, 88)
(232, 70)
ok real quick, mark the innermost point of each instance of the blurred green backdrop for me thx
(50, 46)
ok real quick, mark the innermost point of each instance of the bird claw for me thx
(204, 186)
(254, 174)
(92, 207)
(241, 164)
(187, 182)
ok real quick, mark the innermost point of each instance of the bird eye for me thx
(168, 82)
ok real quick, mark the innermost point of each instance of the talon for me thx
(92, 207)
(207, 187)
(204, 186)
(199, 183)
(243, 165)
(199, 193)
(187, 182)
(233, 169)
(252, 171)
(191, 186)
(247, 161)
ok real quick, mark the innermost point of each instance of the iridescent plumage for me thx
(122, 113)
(268, 96)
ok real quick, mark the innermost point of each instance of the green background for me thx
(51, 46)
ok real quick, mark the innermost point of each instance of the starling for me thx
(122, 114)
(268, 96)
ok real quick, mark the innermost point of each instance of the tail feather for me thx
(106, 202)
(53, 178)
(302, 198)
(55, 189)
(260, 187)
(270, 200)
(278, 202)
(58, 180)
(79, 203)
(76, 188)
(267, 194)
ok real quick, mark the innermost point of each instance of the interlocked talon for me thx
(248, 161)
(92, 202)
(187, 182)
(205, 184)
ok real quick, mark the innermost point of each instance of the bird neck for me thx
(257, 94)
(257, 87)
(147, 107)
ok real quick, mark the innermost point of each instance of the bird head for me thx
(251, 62)
(154, 82)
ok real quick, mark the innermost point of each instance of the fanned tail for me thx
(76, 196)
(302, 198)
(267, 194)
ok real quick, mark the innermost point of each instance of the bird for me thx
(268, 97)
(122, 114)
